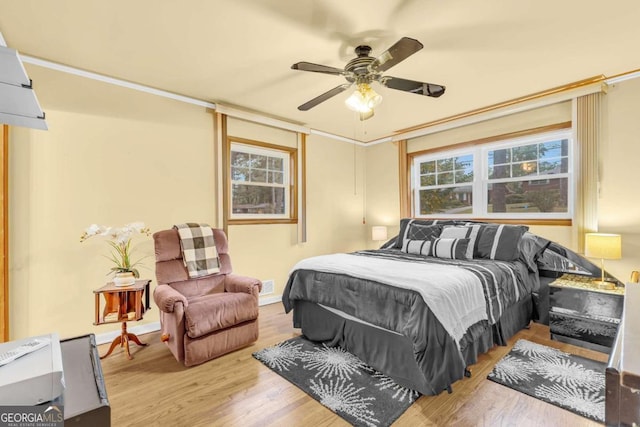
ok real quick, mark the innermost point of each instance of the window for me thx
(261, 178)
(445, 184)
(528, 177)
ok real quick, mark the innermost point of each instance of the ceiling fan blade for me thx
(404, 48)
(318, 99)
(317, 68)
(412, 86)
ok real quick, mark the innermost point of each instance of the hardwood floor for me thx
(153, 389)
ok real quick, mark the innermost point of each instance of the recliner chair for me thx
(206, 317)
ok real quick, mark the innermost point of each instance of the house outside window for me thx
(525, 178)
(261, 180)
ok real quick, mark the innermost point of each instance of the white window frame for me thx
(286, 181)
(481, 177)
(416, 186)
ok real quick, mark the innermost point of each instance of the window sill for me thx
(255, 221)
(523, 221)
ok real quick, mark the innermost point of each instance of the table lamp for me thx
(603, 246)
(378, 233)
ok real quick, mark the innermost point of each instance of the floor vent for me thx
(267, 287)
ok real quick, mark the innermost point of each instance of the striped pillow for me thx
(499, 241)
(418, 247)
(406, 222)
(450, 248)
(463, 232)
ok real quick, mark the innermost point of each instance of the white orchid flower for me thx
(123, 236)
(93, 229)
(137, 226)
(120, 238)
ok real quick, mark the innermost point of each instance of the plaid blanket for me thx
(198, 249)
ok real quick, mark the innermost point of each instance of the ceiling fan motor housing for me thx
(358, 68)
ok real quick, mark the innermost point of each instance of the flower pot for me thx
(124, 279)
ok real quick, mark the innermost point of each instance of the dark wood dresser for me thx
(622, 405)
(582, 314)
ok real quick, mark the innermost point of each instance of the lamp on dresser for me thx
(603, 246)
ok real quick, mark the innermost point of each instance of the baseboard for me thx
(107, 337)
(270, 300)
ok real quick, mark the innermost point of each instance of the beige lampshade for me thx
(379, 232)
(603, 245)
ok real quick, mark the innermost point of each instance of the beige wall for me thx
(383, 200)
(140, 157)
(95, 169)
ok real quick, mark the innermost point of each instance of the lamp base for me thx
(604, 284)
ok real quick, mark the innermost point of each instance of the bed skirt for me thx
(389, 352)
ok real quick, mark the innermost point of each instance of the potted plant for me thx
(125, 269)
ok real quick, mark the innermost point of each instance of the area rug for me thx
(339, 380)
(562, 379)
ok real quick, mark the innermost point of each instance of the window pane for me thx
(258, 175)
(445, 178)
(454, 200)
(251, 199)
(524, 169)
(276, 163)
(258, 161)
(445, 165)
(500, 172)
(498, 157)
(526, 152)
(464, 168)
(276, 177)
(427, 180)
(463, 176)
(552, 166)
(427, 167)
(464, 162)
(551, 149)
(239, 159)
(239, 174)
(543, 195)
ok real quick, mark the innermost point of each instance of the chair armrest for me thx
(166, 297)
(248, 285)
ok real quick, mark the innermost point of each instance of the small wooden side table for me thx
(122, 304)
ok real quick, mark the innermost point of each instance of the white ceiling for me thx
(239, 52)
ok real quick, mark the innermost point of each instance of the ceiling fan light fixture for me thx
(364, 99)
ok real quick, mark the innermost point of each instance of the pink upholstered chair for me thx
(206, 317)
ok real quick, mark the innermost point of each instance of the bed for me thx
(424, 306)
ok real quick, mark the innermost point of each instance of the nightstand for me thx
(582, 314)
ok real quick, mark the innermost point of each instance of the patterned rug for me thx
(570, 382)
(339, 380)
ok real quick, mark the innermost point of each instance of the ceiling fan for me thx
(363, 70)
